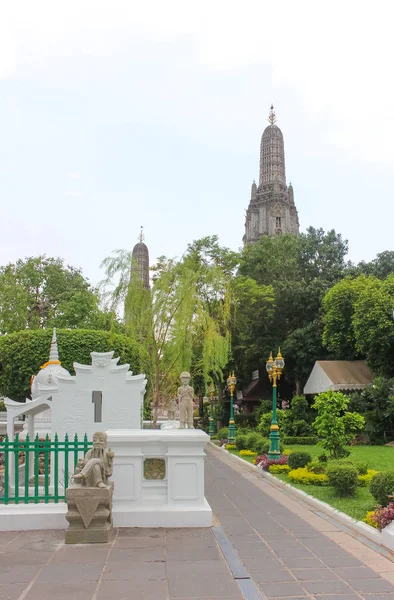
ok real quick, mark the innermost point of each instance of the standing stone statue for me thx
(96, 467)
(185, 399)
(89, 498)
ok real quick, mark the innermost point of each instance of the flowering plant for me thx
(247, 453)
(264, 462)
(383, 515)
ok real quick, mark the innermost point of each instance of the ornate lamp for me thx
(231, 383)
(274, 370)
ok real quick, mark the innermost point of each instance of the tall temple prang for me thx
(271, 208)
(141, 259)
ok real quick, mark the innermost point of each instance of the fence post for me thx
(16, 468)
(75, 452)
(36, 467)
(47, 449)
(66, 451)
(27, 462)
(6, 468)
(55, 455)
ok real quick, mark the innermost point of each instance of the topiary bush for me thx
(307, 477)
(279, 469)
(240, 442)
(343, 477)
(252, 440)
(298, 460)
(23, 353)
(382, 487)
(262, 446)
(222, 433)
(316, 467)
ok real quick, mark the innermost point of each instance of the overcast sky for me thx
(116, 114)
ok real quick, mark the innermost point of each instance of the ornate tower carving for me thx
(271, 208)
(141, 259)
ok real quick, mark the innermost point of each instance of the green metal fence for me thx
(39, 470)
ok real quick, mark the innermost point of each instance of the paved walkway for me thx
(263, 544)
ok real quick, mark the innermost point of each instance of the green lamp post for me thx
(274, 370)
(211, 417)
(231, 383)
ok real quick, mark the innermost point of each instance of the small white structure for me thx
(159, 478)
(338, 375)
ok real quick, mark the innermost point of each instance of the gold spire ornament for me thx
(272, 116)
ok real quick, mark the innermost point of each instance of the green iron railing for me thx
(27, 465)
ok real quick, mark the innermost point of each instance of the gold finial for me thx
(272, 117)
(141, 236)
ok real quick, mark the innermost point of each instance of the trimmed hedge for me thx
(382, 487)
(311, 440)
(23, 353)
(306, 477)
(343, 477)
(299, 460)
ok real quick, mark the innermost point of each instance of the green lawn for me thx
(377, 457)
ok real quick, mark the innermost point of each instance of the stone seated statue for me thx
(96, 467)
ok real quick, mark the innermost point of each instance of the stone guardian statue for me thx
(185, 400)
(89, 498)
(96, 467)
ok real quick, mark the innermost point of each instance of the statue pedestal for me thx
(89, 514)
(159, 478)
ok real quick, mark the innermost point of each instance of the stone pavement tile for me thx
(327, 587)
(81, 590)
(193, 553)
(270, 575)
(86, 554)
(342, 561)
(70, 572)
(139, 571)
(319, 542)
(294, 553)
(11, 591)
(285, 542)
(355, 573)
(7, 536)
(303, 563)
(265, 563)
(8, 559)
(314, 574)
(378, 596)
(279, 590)
(350, 596)
(18, 573)
(37, 541)
(139, 542)
(371, 586)
(331, 551)
(259, 551)
(194, 586)
(239, 540)
(132, 590)
(135, 555)
(142, 532)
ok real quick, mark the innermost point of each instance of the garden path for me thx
(263, 544)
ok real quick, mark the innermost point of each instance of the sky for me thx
(116, 114)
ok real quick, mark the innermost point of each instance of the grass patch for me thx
(250, 459)
(379, 458)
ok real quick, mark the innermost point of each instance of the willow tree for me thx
(183, 321)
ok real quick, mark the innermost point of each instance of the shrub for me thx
(262, 446)
(344, 478)
(298, 460)
(2, 406)
(264, 462)
(240, 442)
(279, 469)
(310, 440)
(323, 458)
(307, 477)
(287, 452)
(245, 420)
(252, 440)
(222, 433)
(370, 519)
(382, 487)
(383, 515)
(247, 453)
(231, 447)
(337, 427)
(365, 479)
(316, 467)
(265, 422)
(362, 468)
(23, 353)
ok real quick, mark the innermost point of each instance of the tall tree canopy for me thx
(42, 291)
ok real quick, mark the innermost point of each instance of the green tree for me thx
(334, 423)
(183, 321)
(39, 292)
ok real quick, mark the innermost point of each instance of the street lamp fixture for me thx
(274, 370)
(211, 430)
(231, 383)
